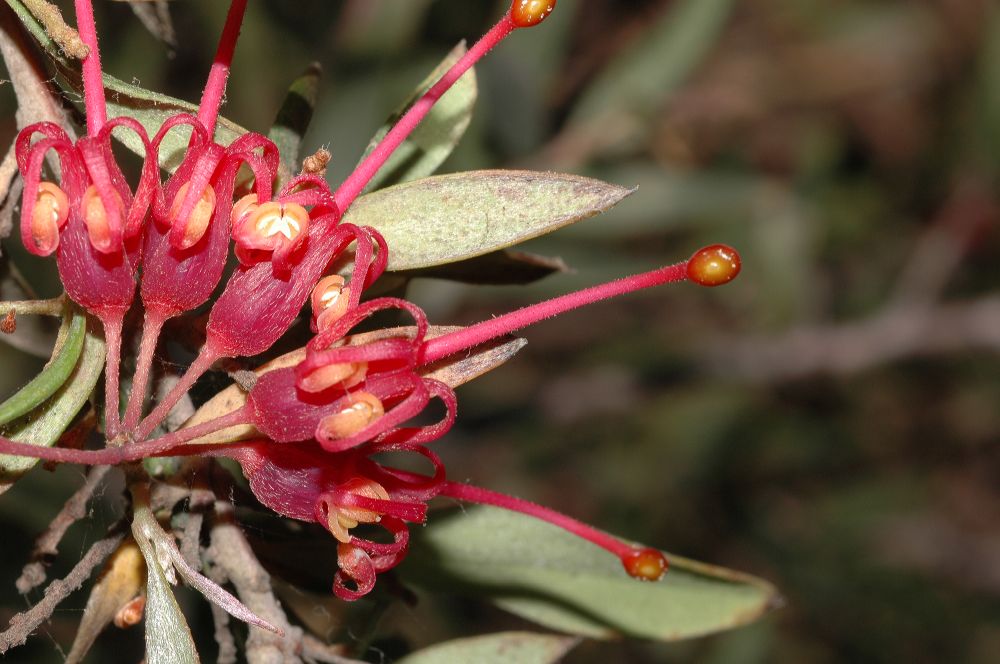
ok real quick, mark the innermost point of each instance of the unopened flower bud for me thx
(9, 323)
(131, 613)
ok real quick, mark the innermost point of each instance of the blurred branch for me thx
(848, 348)
(47, 545)
(23, 624)
(155, 17)
(938, 253)
(35, 102)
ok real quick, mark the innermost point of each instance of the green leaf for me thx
(500, 648)
(448, 218)
(434, 139)
(151, 109)
(55, 373)
(168, 637)
(293, 120)
(50, 420)
(542, 573)
(659, 62)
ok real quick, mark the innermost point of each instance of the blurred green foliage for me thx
(829, 421)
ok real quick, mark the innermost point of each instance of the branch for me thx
(47, 545)
(35, 101)
(231, 555)
(66, 37)
(848, 348)
(23, 624)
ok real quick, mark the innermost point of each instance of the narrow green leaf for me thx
(48, 422)
(168, 637)
(293, 120)
(542, 573)
(151, 109)
(448, 218)
(431, 142)
(500, 648)
(55, 373)
(659, 62)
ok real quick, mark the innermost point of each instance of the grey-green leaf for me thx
(151, 109)
(436, 136)
(47, 423)
(499, 648)
(544, 574)
(168, 637)
(659, 62)
(448, 218)
(55, 373)
(293, 120)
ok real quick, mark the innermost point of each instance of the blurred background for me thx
(829, 421)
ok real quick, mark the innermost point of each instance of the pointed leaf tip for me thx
(448, 218)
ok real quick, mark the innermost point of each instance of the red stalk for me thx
(474, 494)
(112, 370)
(448, 344)
(215, 87)
(206, 358)
(93, 81)
(144, 363)
(362, 175)
(131, 452)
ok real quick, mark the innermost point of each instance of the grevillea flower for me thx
(321, 421)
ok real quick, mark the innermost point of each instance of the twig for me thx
(47, 545)
(851, 347)
(231, 554)
(66, 37)
(970, 210)
(35, 100)
(316, 651)
(23, 624)
(223, 635)
(54, 307)
(201, 500)
(8, 169)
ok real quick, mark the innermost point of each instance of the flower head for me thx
(322, 420)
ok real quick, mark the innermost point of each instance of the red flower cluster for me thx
(322, 421)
